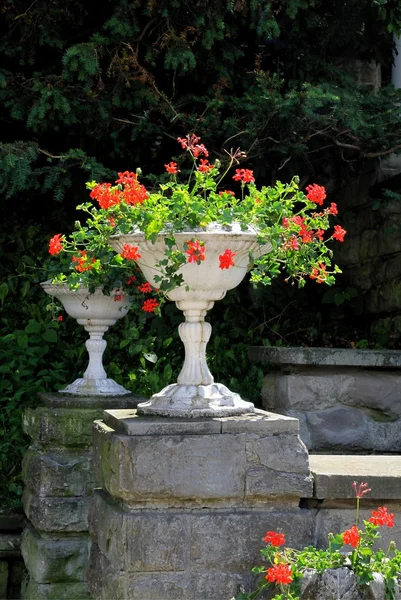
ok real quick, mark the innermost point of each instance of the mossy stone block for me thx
(60, 426)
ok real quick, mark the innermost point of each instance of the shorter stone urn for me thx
(96, 312)
(196, 394)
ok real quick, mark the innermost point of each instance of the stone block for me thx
(55, 591)
(342, 583)
(105, 583)
(3, 579)
(212, 469)
(57, 473)
(53, 560)
(335, 474)
(56, 514)
(60, 426)
(338, 428)
(141, 540)
(59, 400)
(184, 468)
(146, 540)
(277, 466)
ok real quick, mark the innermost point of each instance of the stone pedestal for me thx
(57, 472)
(185, 503)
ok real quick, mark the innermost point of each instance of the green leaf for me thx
(3, 292)
(50, 335)
(32, 327)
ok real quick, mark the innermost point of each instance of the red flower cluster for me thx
(150, 305)
(333, 210)
(382, 517)
(204, 167)
(319, 273)
(279, 574)
(316, 193)
(132, 193)
(195, 251)
(130, 252)
(229, 192)
(118, 296)
(226, 259)
(82, 262)
(172, 168)
(131, 279)
(60, 318)
(145, 288)
(274, 538)
(351, 536)
(339, 233)
(244, 175)
(55, 245)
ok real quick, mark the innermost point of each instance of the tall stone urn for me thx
(96, 312)
(195, 394)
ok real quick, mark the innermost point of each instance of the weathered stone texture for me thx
(341, 583)
(71, 427)
(50, 560)
(56, 591)
(222, 469)
(56, 514)
(3, 579)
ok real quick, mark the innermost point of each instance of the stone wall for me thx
(346, 400)
(57, 473)
(185, 504)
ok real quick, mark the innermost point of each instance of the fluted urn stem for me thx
(195, 334)
(95, 346)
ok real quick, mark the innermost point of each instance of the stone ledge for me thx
(10, 545)
(60, 400)
(130, 423)
(335, 474)
(329, 357)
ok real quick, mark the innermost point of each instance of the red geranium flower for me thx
(105, 195)
(360, 490)
(199, 149)
(316, 193)
(82, 262)
(319, 273)
(172, 168)
(333, 209)
(244, 175)
(204, 167)
(274, 538)
(339, 233)
(60, 318)
(226, 259)
(229, 192)
(150, 305)
(55, 245)
(195, 251)
(145, 288)
(118, 296)
(130, 252)
(131, 279)
(351, 536)
(382, 517)
(279, 574)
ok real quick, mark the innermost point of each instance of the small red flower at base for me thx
(145, 288)
(131, 279)
(274, 538)
(55, 245)
(244, 175)
(60, 318)
(351, 536)
(226, 259)
(130, 252)
(279, 574)
(150, 305)
(339, 233)
(319, 273)
(82, 262)
(316, 193)
(382, 517)
(172, 168)
(195, 251)
(227, 192)
(333, 209)
(118, 296)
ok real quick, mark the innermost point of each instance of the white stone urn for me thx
(196, 394)
(96, 312)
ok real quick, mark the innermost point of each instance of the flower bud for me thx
(138, 171)
(296, 179)
(217, 163)
(77, 225)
